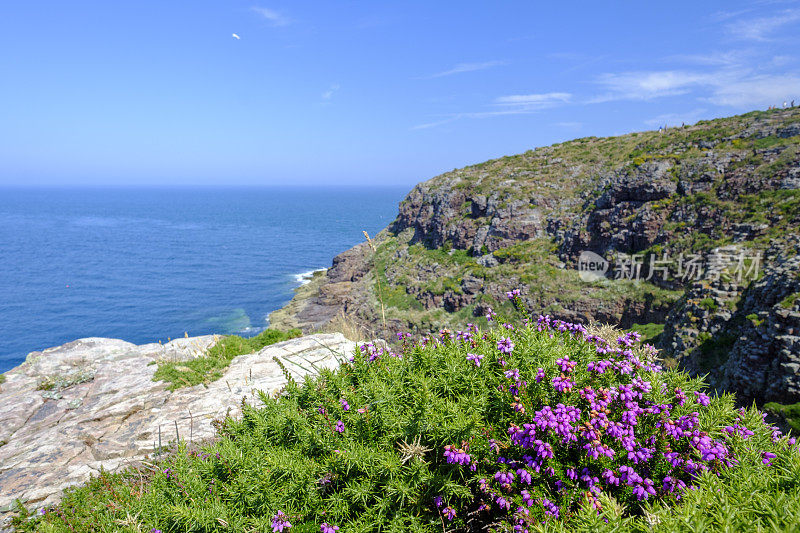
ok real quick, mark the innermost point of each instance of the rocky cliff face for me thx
(658, 207)
(89, 404)
(745, 337)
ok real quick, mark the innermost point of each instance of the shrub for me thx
(519, 428)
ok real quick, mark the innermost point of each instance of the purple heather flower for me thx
(503, 503)
(680, 396)
(595, 449)
(475, 358)
(641, 455)
(456, 455)
(505, 345)
(526, 498)
(512, 374)
(588, 478)
(449, 513)
(504, 478)
(524, 476)
(543, 449)
(767, 457)
(154, 530)
(702, 398)
(562, 383)
(280, 522)
(629, 339)
(513, 294)
(438, 502)
(644, 489)
(565, 364)
(642, 385)
(610, 477)
(345, 405)
(539, 375)
(550, 508)
(339, 426)
(490, 315)
(599, 366)
(327, 528)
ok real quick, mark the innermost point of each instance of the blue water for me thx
(150, 264)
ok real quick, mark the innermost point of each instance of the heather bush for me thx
(535, 425)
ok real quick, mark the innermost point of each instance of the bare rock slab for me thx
(68, 411)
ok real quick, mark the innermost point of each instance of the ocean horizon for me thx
(150, 264)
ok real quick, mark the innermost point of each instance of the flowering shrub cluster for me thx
(598, 427)
(527, 425)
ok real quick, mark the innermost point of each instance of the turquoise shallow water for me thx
(147, 264)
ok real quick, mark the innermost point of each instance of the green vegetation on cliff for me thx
(543, 425)
(461, 238)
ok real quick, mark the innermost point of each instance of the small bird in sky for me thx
(237, 37)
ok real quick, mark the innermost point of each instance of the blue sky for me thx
(335, 92)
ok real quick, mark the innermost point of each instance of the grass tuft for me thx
(212, 365)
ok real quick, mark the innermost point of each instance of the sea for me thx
(147, 265)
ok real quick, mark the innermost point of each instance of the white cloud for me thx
(763, 28)
(275, 18)
(756, 91)
(429, 125)
(733, 57)
(329, 93)
(647, 85)
(466, 67)
(515, 104)
(738, 87)
(533, 100)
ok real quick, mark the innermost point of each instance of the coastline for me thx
(287, 317)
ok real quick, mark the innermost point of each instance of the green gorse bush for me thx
(539, 425)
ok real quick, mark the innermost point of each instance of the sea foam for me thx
(305, 277)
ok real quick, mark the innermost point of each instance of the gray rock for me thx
(113, 419)
(487, 260)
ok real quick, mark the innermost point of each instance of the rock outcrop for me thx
(89, 404)
(746, 338)
(657, 206)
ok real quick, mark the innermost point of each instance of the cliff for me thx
(673, 215)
